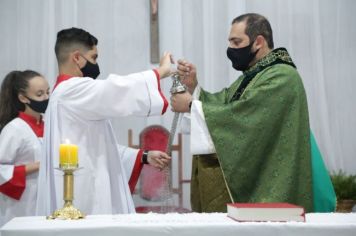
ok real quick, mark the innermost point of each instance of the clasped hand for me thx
(158, 159)
(180, 102)
(187, 72)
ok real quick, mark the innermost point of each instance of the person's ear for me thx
(260, 40)
(75, 55)
(23, 98)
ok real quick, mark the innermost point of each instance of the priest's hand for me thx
(188, 73)
(164, 68)
(158, 159)
(180, 102)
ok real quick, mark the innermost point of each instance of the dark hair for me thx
(15, 82)
(68, 39)
(256, 25)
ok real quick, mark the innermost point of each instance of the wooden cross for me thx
(154, 34)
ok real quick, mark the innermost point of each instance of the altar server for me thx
(79, 111)
(24, 97)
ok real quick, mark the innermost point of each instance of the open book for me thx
(265, 212)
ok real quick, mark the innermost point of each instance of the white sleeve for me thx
(194, 123)
(186, 119)
(128, 156)
(9, 146)
(135, 94)
(200, 139)
(6, 173)
(185, 123)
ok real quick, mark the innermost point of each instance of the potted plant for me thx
(345, 190)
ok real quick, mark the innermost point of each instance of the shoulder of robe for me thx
(72, 86)
(15, 125)
(279, 73)
(14, 130)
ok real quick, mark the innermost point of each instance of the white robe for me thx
(194, 123)
(79, 110)
(18, 146)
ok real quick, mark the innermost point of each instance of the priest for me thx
(251, 140)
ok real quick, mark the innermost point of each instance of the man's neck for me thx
(68, 70)
(261, 54)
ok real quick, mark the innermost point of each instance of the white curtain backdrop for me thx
(319, 34)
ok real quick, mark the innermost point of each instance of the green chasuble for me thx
(262, 140)
(323, 189)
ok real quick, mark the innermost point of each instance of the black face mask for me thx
(241, 57)
(38, 106)
(90, 70)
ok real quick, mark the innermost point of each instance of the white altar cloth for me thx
(151, 224)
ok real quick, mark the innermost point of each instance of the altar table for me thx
(205, 224)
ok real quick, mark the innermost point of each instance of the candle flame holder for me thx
(68, 212)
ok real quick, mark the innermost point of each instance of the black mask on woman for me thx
(38, 106)
(241, 57)
(90, 70)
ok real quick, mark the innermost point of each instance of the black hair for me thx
(14, 83)
(256, 25)
(68, 39)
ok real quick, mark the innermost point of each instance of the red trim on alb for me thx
(165, 102)
(15, 187)
(61, 78)
(36, 126)
(136, 171)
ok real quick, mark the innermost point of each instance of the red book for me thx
(265, 212)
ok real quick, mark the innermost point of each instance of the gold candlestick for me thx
(68, 212)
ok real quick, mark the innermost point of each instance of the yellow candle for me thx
(68, 154)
